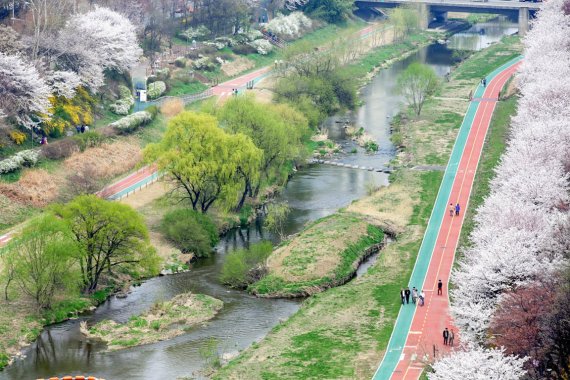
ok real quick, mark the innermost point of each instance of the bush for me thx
(28, 157)
(123, 105)
(129, 123)
(156, 89)
(162, 74)
(60, 149)
(190, 231)
(204, 64)
(262, 47)
(153, 110)
(180, 62)
(88, 140)
(244, 49)
(246, 266)
(18, 137)
(195, 33)
(290, 27)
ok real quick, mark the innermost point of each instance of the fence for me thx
(186, 99)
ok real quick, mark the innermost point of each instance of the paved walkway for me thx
(417, 334)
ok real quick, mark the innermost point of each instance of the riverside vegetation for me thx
(165, 320)
(353, 323)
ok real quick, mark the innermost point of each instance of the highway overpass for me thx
(437, 9)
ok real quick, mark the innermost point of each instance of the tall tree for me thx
(22, 91)
(207, 164)
(417, 83)
(110, 236)
(276, 130)
(41, 260)
(333, 11)
(93, 42)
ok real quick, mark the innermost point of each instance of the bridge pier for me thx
(424, 11)
(523, 21)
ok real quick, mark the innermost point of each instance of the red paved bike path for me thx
(430, 320)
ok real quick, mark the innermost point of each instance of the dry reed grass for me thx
(36, 188)
(106, 161)
(172, 107)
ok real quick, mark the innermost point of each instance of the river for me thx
(313, 192)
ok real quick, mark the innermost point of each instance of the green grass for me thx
(492, 57)
(494, 147)
(181, 87)
(66, 309)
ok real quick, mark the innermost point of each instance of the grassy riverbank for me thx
(165, 320)
(324, 255)
(353, 323)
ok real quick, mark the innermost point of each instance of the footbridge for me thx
(437, 9)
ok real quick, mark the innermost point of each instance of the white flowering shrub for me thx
(129, 123)
(28, 157)
(195, 33)
(227, 41)
(202, 63)
(478, 364)
(252, 35)
(125, 102)
(155, 89)
(263, 47)
(217, 44)
(290, 27)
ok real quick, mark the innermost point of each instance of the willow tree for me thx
(417, 83)
(206, 163)
(278, 130)
(110, 235)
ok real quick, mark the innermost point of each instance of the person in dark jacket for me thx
(407, 293)
(445, 336)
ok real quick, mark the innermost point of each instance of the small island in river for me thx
(165, 320)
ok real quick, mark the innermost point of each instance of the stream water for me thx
(313, 192)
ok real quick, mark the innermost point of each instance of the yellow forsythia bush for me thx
(18, 137)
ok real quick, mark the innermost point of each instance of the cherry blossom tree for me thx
(63, 83)
(478, 364)
(22, 91)
(96, 41)
(521, 229)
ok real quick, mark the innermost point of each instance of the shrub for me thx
(252, 35)
(371, 146)
(153, 110)
(244, 49)
(217, 44)
(204, 64)
(162, 74)
(156, 89)
(129, 123)
(262, 47)
(180, 62)
(246, 266)
(195, 33)
(88, 140)
(190, 231)
(60, 149)
(24, 158)
(18, 137)
(124, 103)
(290, 27)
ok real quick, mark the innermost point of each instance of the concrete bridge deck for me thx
(437, 9)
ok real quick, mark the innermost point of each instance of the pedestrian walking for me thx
(86, 128)
(484, 82)
(82, 129)
(403, 296)
(445, 336)
(422, 298)
(439, 288)
(457, 208)
(451, 337)
(414, 295)
(407, 294)
(78, 128)
(451, 209)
